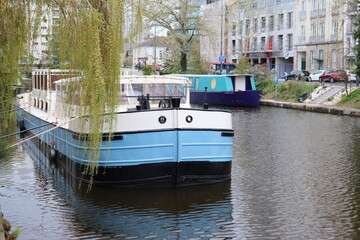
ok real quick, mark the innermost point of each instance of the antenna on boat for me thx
(205, 105)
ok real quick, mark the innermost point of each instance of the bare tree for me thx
(181, 20)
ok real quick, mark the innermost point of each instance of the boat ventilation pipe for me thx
(205, 105)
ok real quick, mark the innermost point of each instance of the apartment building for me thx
(320, 35)
(40, 45)
(264, 32)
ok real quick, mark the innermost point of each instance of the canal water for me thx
(295, 175)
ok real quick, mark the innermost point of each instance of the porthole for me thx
(189, 118)
(162, 119)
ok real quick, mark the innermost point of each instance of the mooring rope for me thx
(41, 133)
(12, 134)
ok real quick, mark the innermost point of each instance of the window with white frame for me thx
(290, 20)
(255, 25)
(333, 59)
(323, 4)
(313, 31)
(314, 5)
(303, 5)
(335, 29)
(290, 42)
(280, 21)
(312, 59)
(263, 23)
(247, 26)
(322, 29)
(271, 23)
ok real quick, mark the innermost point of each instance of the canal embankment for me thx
(313, 107)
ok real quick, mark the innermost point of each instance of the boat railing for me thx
(163, 101)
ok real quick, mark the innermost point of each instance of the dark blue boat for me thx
(233, 90)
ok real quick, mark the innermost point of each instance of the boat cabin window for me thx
(157, 91)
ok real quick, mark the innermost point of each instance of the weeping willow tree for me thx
(13, 34)
(90, 38)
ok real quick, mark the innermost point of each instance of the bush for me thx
(5, 151)
(148, 70)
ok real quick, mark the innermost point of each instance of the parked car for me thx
(351, 75)
(315, 75)
(333, 76)
(297, 75)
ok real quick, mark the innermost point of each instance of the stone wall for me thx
(313, 108)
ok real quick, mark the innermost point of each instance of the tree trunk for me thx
(183, 62)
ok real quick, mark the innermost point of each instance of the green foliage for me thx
(288, 91)
(261, 72)
(352, 99)
(5, 151)
(15, 234)
(243, 65)
(14, 27)
(356, 35)
(148, 70)
(171, 65)
(90, 38)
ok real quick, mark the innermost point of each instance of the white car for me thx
(352, 75)
(315, 76)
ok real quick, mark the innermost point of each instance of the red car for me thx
(333, 76)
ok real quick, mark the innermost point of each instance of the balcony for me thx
(312, 39)
(322, 12)
(321, 38)
(302, 15)
(301, 40)
(335, 10)
(318, 13)
(334, 37)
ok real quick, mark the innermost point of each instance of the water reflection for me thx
(295, 175)
(193, 212)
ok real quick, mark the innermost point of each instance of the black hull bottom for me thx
(145, 175)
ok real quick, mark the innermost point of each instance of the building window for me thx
(290, 20)
(254, 46)
(312, 59)
(269, 45)
(280, 42)
(262, 44)
(333, 59)
(271, 23)
(303, 6)
(322, 31)
(263, 23)
(233, 47)
(291, 42)
(255, 25)
(280, 21)
(313, 32)
(247, 26)
(241, 28)
(314, 5)
(234, 29)
(323, 4)
(246, 45)
(335, 29)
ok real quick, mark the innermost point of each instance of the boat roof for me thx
(211, 75)
(139, 79)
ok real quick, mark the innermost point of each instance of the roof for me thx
(150, 79)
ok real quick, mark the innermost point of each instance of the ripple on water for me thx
(295, 175)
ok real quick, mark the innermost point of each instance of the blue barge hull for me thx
(231, 98)
(123, 166)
